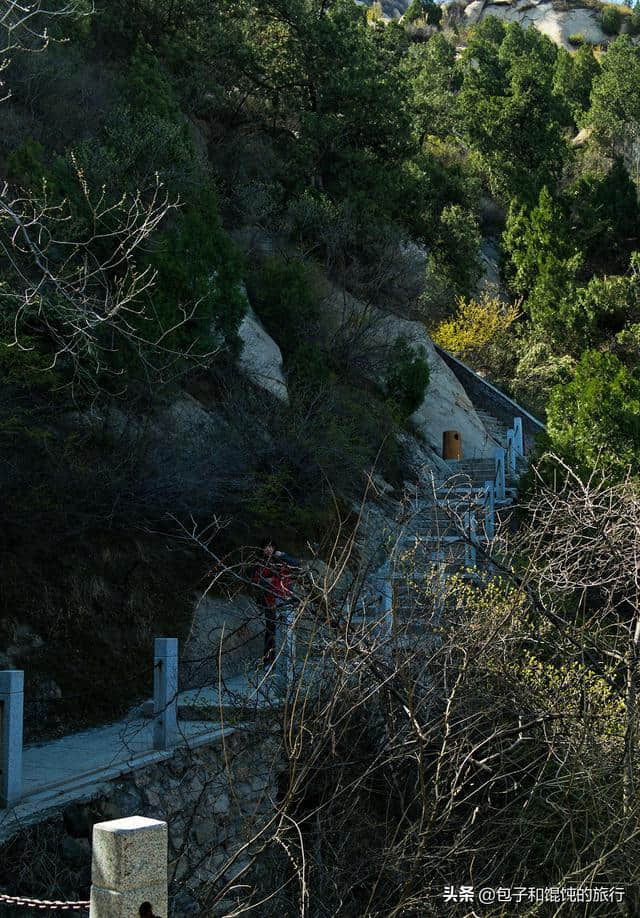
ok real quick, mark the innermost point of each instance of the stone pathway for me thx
(75, 766)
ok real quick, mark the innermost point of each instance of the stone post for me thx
(511, 452)
(384, 628)
(489, 510)
(471, 531)
(11, 712)
(165, 693)
(129, 867)
(500, 478)
(518, 438)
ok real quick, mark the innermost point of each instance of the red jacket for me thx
(273, 579)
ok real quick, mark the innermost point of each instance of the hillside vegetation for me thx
(171, 171)
(137, 153)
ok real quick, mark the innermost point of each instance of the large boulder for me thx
(261, 359)
(446, 405)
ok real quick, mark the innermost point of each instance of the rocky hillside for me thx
(561, 21)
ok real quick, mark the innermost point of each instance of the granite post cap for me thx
(129, 854)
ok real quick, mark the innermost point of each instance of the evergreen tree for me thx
(573, 78)
(531, 237)
(434, 81)
(594, 420)
(509, 112)
(615, 97)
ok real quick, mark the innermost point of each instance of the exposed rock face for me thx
(446, 405)
(556, 23)
(490, 281)
(261, 359)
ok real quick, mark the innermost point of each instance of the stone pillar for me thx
(471, 532)
(11, 712)
(511, 452)
(518, 437)
(500, 478)
(129, 867)
(384, 628)
(489, 510)
(165, 693)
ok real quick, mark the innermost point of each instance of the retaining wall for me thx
(487, 397)
(214, 798)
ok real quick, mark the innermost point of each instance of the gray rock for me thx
(446, 405)
(153, 798)
(207, 832)
(124, 801)
(261, 359)
(558, 24)
(222, 804)
(183, 905)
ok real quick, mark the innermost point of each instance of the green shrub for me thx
(611, 19)
(283, 293)
(423, 9)
(316, 452)
(309, 363)
(407, 377)
(198, 277)
(605, 215)
(594, 420)
(576, 39)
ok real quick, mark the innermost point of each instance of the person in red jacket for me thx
(272, 577)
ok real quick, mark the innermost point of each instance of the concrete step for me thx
(470, 465)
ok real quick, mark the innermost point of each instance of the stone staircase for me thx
(450, 521)
(440, 532)
(495, 428)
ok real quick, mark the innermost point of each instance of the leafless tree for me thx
(82, 289)
(24, 24)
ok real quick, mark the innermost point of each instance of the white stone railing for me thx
(493, 491)
(165, 711)
(11, 714)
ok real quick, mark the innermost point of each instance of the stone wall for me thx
(214, 798)
(486, 397)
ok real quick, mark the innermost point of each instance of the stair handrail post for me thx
(440, 560)
(511, 452)
(518, 438)
(385, 609)
(489, 510)
(471, 533)
(500, 477)
(165, 692)
(12, 705)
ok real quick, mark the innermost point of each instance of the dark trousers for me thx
(269, 634)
